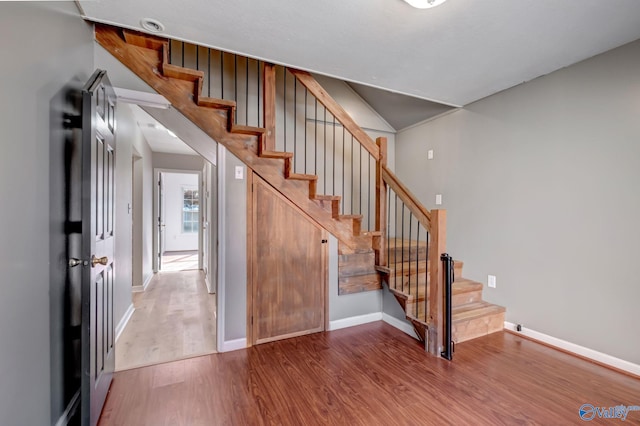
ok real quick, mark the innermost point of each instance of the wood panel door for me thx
(289, 268)
(98, 233)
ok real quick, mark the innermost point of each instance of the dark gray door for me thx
(98, 232)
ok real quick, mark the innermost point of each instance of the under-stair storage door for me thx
(289, 268)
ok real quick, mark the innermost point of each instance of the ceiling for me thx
(157, 136)
(453, 54)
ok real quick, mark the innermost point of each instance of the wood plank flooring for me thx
(179, 260)
(175, 318)
(369, 375)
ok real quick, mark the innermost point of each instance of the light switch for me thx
(491, 281)
(438, 199)
(430, 154)
(239, 172)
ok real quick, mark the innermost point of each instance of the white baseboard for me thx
(71, 408)
(594, 355)
(400, 325)
(124, 320)
(233, 345)
(143, 287)
(353, 321)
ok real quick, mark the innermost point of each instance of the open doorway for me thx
(174, 302)
(179, 231)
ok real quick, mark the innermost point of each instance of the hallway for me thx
(179, 260)
(174, 319)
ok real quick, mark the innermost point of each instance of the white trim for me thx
(156, 211)
(576, 349)
(353, 321)
(222, 234)
(400, 325)
(145, 284)
(233, 345)
(124, 321)
(71, 408)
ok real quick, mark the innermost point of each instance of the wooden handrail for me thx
(419, 211)
(338, 112)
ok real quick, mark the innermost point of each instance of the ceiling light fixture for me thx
(425, 4)
(152, 25)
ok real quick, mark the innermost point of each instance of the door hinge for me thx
(325, 241)
(251, 319)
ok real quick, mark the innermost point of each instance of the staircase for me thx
(408, 274)
(368, 254)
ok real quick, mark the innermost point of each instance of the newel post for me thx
(437, 246)
(381, 205)
(269, 107)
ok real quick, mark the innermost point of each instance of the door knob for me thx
(98, 260)
(75, 262)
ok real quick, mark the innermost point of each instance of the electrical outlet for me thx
(430, 154)
(438, 199)
(491, 281)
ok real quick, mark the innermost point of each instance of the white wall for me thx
(541, 187)
(175, 238)
(47, 58)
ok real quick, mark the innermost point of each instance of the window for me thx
(190, 210)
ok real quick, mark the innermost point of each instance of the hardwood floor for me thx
(175, 318)
(179, 260)
(369, 375)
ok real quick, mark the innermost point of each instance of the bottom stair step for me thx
(475, 320)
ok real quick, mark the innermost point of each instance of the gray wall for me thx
(541, 187)
(232, 195)
(163, 160)
(40, 69)
(126, 129)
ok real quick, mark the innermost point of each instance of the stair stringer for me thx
(147, 63)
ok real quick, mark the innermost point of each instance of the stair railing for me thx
(434, 224)
(226, 76)
(326, 142)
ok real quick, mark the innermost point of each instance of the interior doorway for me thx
(179, 230)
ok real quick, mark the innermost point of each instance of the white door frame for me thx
(156, 211)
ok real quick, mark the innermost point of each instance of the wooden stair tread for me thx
(372, 233)
(350, 216)
(299, 176)
(463, 285)
(215, 103)
(276, 154)
(475, 310)
(248, 130)
(400, 243)
(146, 41)
(181, 73)
(327, 197)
